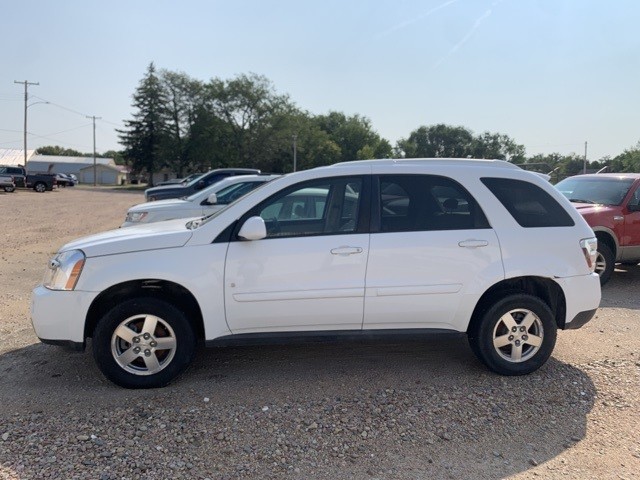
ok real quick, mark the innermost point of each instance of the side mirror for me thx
(253, 229)
(212, 199)
(633, 208)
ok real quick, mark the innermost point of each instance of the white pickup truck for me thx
(6, 182)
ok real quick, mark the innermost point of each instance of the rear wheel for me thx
(515, 336)
(605, 262)
(9, 189)
(143, 343)
(40, 187)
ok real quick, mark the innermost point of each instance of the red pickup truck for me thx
(610, 203)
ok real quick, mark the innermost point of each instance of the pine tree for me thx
(145, 136)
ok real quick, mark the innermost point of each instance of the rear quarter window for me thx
(528, 204)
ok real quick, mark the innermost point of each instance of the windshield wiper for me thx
(580, 200)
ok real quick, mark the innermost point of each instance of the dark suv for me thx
(209, 178)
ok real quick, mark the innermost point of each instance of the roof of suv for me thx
(433, 162)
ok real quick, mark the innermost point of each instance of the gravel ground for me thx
(416, 410)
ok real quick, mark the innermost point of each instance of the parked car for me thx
(387, 248)
(18, 174)
(40, 182)
(195, 185)
(201, 203)
(182, 181)
(64, 180)
(610, 203)
(7, 183)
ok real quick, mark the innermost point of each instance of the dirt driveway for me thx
(417, 410)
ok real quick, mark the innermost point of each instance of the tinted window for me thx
(324, 207)
(425, 202)
(528, 204)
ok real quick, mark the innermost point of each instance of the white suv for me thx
(370, 248)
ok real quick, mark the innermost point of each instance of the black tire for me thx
(168, 324)
(9, 189)
(605, 262)
(40, 187)
(491, 325)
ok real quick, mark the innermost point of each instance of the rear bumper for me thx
(582, 294)
(580, 319)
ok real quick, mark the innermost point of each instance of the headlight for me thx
(135, 216)
(64, 270)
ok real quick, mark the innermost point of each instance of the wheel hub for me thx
(143, 344)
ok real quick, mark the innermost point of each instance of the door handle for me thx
(473, 243)
(344, 251)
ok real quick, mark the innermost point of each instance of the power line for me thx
(59, 141)
(77, 112)
(60, 106)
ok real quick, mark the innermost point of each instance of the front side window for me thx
(410, 203)
(329, 206)
(528, 204)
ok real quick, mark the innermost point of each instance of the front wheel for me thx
(515, 336)
(40, 187)
(9, 189)
(143, 343)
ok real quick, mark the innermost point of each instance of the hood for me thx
(586, 209)
(160, 204)
(153, 236)
(165, 191)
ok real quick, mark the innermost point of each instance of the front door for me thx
(308, 273)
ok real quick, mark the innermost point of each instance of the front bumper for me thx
(58, 317)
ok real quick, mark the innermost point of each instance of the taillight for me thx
(590, 250)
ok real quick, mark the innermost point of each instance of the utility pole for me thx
(26, 98)
(585, 158)
(295, 152)
(94, 118)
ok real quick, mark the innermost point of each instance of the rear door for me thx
(431, 251)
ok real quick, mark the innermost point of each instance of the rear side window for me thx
(528, 204)
(412, 203)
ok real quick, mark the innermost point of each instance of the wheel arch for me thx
(165, 290)
(609, 238)
(544, 288)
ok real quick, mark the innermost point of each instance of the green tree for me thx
(497, 146)
(440, 141)
(627, 161)
(354, 136)
(183, 95)
(60, 151)
(145, 136)
(117, 156)
(255, 117)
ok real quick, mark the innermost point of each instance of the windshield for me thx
(195, 180)
(603, 191)
(201, 221)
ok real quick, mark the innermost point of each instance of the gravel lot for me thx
(418, 410)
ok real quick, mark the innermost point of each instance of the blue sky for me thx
(551, 74)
